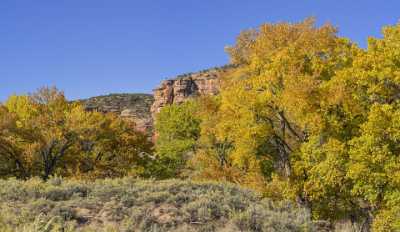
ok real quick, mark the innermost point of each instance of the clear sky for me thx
(94, 47)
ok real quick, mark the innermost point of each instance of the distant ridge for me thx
(131, 106)
(142, 108)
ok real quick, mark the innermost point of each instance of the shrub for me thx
(130, 204)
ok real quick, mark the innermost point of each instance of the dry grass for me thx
(135, 205)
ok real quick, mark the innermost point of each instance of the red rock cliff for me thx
(187, 86)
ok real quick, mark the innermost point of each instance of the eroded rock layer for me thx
(142, 108)
(135, 107)
(186, 86)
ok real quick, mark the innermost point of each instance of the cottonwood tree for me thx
(178, 128)
(374, 163)
(324, 113)
(282, 114)
(47, 135)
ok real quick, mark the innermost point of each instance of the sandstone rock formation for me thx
(135, 107)
(142, 108)
(185, 86)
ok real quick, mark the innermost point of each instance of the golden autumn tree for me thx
(12, 162)
(50, 136)
(212, 160)
(280, 105)
(278, 94)
(316, 117)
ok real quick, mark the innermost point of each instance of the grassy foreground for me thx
(129, 204)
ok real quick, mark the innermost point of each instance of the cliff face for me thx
(187, 86)
(134, 107)
(142, 108)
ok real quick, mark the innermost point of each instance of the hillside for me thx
(142, 108)
(135, 205)
(134, 107)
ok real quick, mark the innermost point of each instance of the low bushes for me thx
(129, 204)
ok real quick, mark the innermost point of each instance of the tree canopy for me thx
(44, 135)
(309, 116)
(302, 115)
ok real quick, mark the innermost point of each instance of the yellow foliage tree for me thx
(44, 134)
(285, 118)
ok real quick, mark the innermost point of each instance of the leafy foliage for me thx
(308, 116)
(303, 115)
(44, 135)
(177, 128)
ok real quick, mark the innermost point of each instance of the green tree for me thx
(177, 130)
(374, 164)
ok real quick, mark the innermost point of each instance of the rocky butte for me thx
(142, 108)
(186, 86)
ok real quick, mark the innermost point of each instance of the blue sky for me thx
(94, 47)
